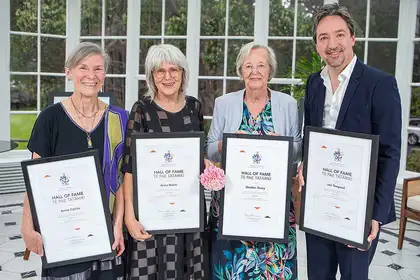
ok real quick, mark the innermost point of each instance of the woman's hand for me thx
(136, 230)
(33, 241)
(208, 163)
(273, 134)
(241, 132)
(118, 240)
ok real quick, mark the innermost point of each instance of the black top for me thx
(147, 116)
(55, 133)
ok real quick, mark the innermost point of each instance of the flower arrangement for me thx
(213, 178)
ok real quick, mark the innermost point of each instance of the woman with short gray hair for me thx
(254, 110)
(165, 107)
(80, 123)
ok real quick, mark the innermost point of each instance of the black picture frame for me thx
(52, 95)
(371, 185)
(286, 203)
(173, 136)
(92, 153)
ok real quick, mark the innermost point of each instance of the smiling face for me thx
(334, 42)
(168, 79)
(256, 70)
(88, 76)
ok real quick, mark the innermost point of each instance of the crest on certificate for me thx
(65, 179)
(338, 155)
(168, 157)
(256, 158)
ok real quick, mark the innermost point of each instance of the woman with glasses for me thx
(164, 108)
(261, 111)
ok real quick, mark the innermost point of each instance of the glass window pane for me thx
(382, 55)
(50, 84)
(176, 17)
(413, 135)
(234, 46)
(234, 85)
(53, 17)
(413, 154)
(117, 51)
(179, 43)
(384, 18)
(116, 18)
(305, 50)
(23, 93)
(282, 14)
(142, 89)
(241, 18)
(416, 63)
(357, 10)
(305, 11)
(213, 17)
(91, 18)
(21, 128)
(211, 57)
(151, 17)
(23, 53)
(24, 15)
(415, 107)
(208, 91)
(359, 50)
(53, 51)
(279, 87)
(284, 52)
(116, 86)
(145, 44)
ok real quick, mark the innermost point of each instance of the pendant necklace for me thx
(88, 137)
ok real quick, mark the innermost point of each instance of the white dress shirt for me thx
(333, 100)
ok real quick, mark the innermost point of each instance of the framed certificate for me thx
(255, 202)
(69, 208)
(340, 177)
(167, 194)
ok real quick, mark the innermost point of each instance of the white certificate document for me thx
(69, 209)
(168, 183)
(255, 193)
(336, 185)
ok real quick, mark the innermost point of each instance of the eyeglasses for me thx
(249, 68)
(173, 73)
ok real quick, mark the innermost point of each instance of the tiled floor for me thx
(389, 263)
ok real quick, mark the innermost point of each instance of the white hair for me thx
(84, 50)
(247, 48)
(164, 53)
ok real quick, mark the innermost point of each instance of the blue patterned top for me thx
(261, 125)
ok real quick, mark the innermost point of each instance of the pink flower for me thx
(213, 178)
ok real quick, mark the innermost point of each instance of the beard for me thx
(335, 61)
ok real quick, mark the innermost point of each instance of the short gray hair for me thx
(247, 48)
(164, 53)
(84, 50)
(333, 10)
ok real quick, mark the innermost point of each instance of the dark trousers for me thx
(324, 256)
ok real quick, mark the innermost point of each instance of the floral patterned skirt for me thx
(248, 260)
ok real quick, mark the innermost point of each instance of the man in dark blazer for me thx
(348, 95)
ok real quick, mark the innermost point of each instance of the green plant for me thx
(304, 68)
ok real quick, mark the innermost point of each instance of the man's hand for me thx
(373, 234)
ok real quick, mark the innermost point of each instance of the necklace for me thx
(81, 113)
(88, 137)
